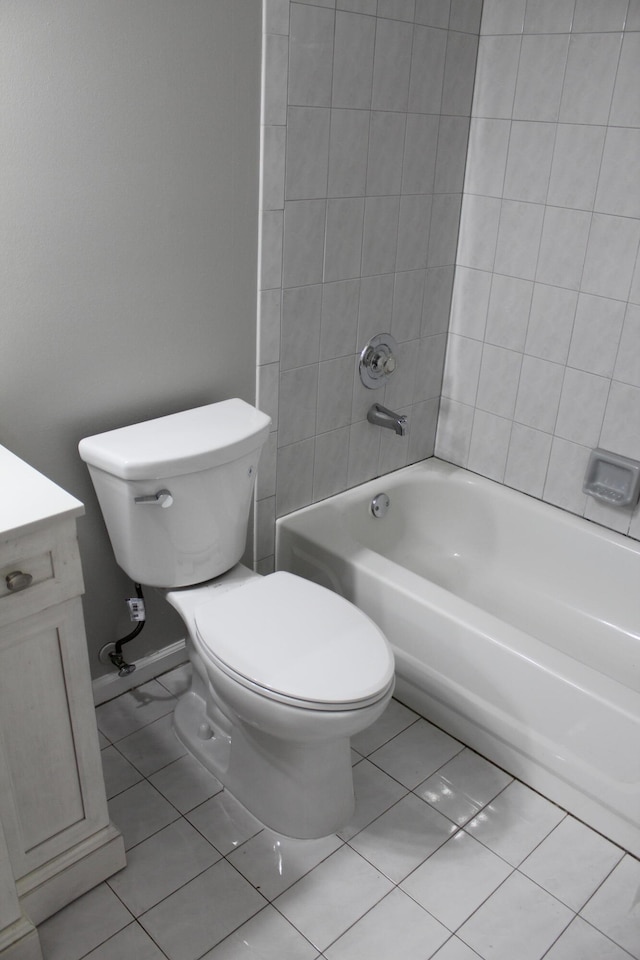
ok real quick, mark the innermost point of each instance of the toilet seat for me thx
(257, 633)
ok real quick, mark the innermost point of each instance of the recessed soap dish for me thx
(612, 478)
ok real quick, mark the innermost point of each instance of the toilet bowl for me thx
(274, 727)
(284, 671)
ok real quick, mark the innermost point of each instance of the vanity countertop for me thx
(27, 498)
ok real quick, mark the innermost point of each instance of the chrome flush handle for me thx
(162, 498)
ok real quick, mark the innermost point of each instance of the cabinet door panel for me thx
(46, 788)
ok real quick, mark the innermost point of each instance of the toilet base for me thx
(301, 790)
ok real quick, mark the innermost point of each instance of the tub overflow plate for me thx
(379, 505)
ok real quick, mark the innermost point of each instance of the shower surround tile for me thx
(539, 391)
(487, 156)
(330, 463)
(488, 450)
(386, 144)
(548, 16)
(300, 326)
(508, 312)
(353, 60)
(625, 110)
(458, 82)
(591, 17)
(343, 239)
(590, 76)
(435, 13)
(348, 153)
(374, 124)
(627, 368)
(310, 55)
(496, 76)
(307, 153)
(339, 319)
(554, 154)
(273, 167)
(426, 78)
(391, 65)
(453, 136)
(529, 161)
(576, 146)
(548, 211)
(303, 247)
(527, 460)
(295, 476)
(275, 55)
(596, 334)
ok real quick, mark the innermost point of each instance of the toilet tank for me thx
(176, 492)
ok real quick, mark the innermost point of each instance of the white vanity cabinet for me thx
(53, 809)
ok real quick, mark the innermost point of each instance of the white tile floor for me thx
(447, 857)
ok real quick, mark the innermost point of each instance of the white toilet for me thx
(284, 671)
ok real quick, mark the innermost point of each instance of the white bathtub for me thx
(516, 626)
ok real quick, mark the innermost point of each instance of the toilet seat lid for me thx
(297, 640)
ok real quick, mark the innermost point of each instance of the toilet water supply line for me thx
(137, 612)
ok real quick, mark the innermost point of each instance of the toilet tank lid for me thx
(180, 443)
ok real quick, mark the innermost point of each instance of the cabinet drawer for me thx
(50, 557)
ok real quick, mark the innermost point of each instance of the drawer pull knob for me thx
(18, 581)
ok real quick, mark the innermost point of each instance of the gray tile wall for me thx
(543, 358)
(365, 120)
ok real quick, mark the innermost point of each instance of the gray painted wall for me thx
(129, 197)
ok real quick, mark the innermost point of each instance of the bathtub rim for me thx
(333, 537)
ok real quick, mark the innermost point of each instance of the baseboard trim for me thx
(147, 668)
(66, 877)
(20, 941)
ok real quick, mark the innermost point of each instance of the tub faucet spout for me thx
(383, 417)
